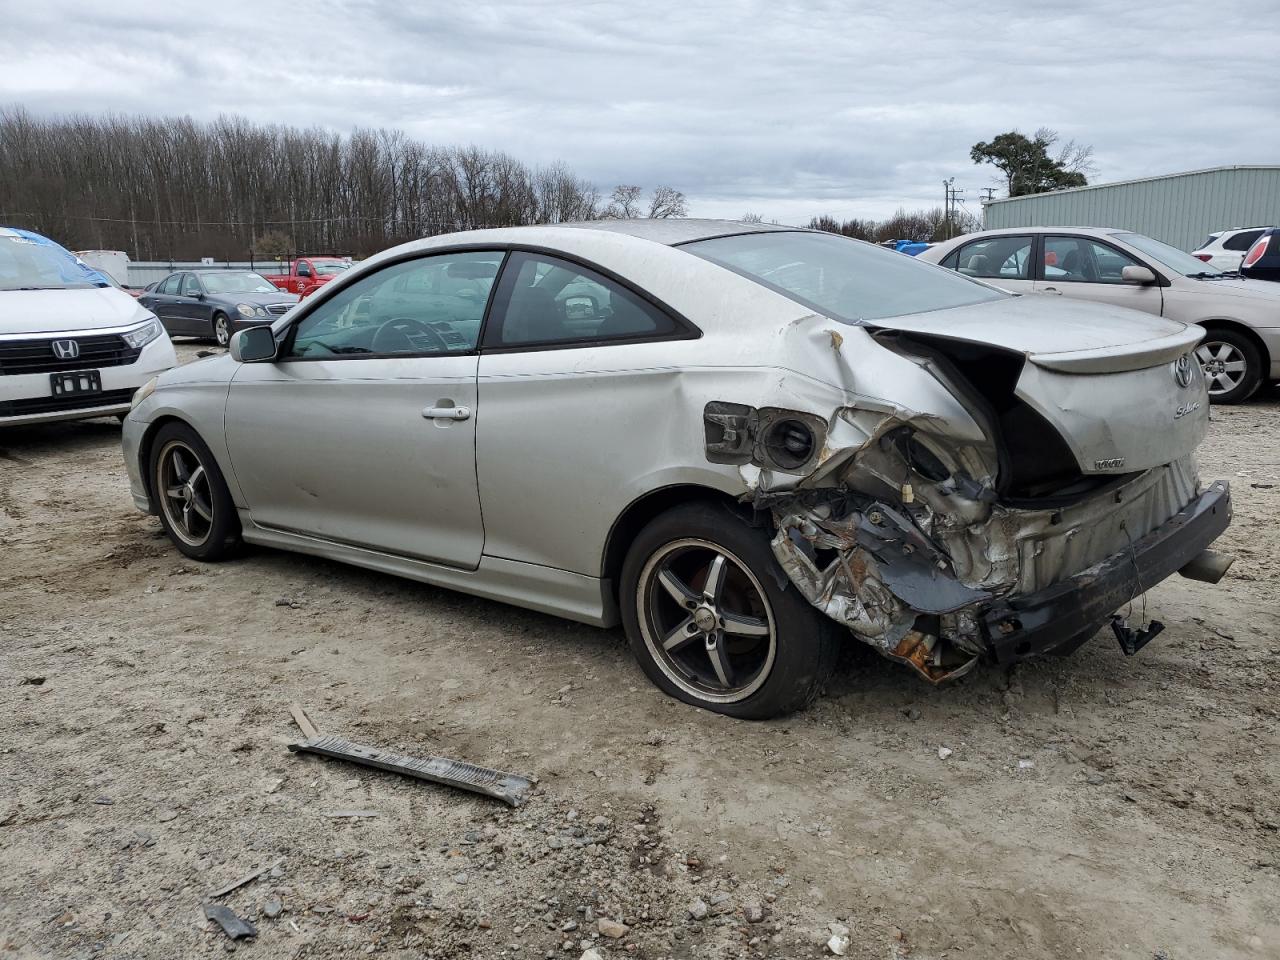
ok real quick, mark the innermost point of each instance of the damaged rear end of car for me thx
(989, 482)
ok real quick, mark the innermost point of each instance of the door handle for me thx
(447, 413)
(1051, 290)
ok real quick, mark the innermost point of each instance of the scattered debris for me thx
(31, 682)
(509, 787)
(1026, 764)
(231, 925)
(247, 878)
(272, 908)
(753, 911)
(698, 909)
(591, 955)
(303, 721)
(944, 752)
(340, 814)
(103, 801)
(164, 816)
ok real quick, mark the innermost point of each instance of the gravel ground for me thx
(1096, 806)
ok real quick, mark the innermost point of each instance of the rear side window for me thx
(1242, 241)
(996, 258)
(545, 300)
(842, 278)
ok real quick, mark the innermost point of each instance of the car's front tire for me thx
(191, 496)
(1232, 365)
(222, 329)
(713, 620)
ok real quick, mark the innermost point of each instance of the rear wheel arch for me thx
(644, 509)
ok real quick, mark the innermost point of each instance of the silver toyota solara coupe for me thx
(742, 441)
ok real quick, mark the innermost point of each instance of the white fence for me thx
(142, 272)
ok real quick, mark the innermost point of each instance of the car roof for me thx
(674, 231)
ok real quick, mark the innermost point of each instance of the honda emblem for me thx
(66, 349)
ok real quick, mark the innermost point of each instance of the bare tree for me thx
(624, 202)
(667, 202)
(752, 218)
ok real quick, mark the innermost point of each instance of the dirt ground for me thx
(1095, 806)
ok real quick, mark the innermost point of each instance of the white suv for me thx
(72, 345)
(1226, 248)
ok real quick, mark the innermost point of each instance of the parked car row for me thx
(1119, 268)
(741, 442)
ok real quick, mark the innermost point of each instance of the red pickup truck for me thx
(308, 274)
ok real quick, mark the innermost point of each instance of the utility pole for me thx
(950, 196)
(990, 194)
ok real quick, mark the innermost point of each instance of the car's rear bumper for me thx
(1061, 617)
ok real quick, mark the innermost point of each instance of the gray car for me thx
(745, 443)
(214, 304)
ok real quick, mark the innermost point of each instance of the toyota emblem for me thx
(1182, 370)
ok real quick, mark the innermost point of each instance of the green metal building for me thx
(1181, 209)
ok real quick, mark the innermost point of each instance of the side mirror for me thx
(1135, 274)
(253, 345)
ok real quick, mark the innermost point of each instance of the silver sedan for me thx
(747, 443)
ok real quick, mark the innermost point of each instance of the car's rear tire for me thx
(1232, 365)
(222, 329)
(713, 620)
(191, 496)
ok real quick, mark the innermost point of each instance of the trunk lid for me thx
(1112, 382)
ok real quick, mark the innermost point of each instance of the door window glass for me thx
(432, 305)
(1242, 241)
(551, 301)
(996, 258)
(1080, 260)
(170, 285)
(190, 285)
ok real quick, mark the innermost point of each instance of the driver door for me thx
(362, 432)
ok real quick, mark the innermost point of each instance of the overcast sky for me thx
(782, 109)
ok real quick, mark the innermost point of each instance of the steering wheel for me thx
(393, 336)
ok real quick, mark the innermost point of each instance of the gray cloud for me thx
(784, 109)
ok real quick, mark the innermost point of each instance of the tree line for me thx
(928, 226)
(172, 188)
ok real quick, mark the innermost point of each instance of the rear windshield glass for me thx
(842, 278)
(29, 261)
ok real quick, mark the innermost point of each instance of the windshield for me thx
(327, 268)
(238, 282)
(29, 261)
(843, 278)
(1171, 257)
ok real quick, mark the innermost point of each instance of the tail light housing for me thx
(1256, 251)
(1206, 257)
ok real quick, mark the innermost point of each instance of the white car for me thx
(72, 344)
(1225, 249)
(1120, 268)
